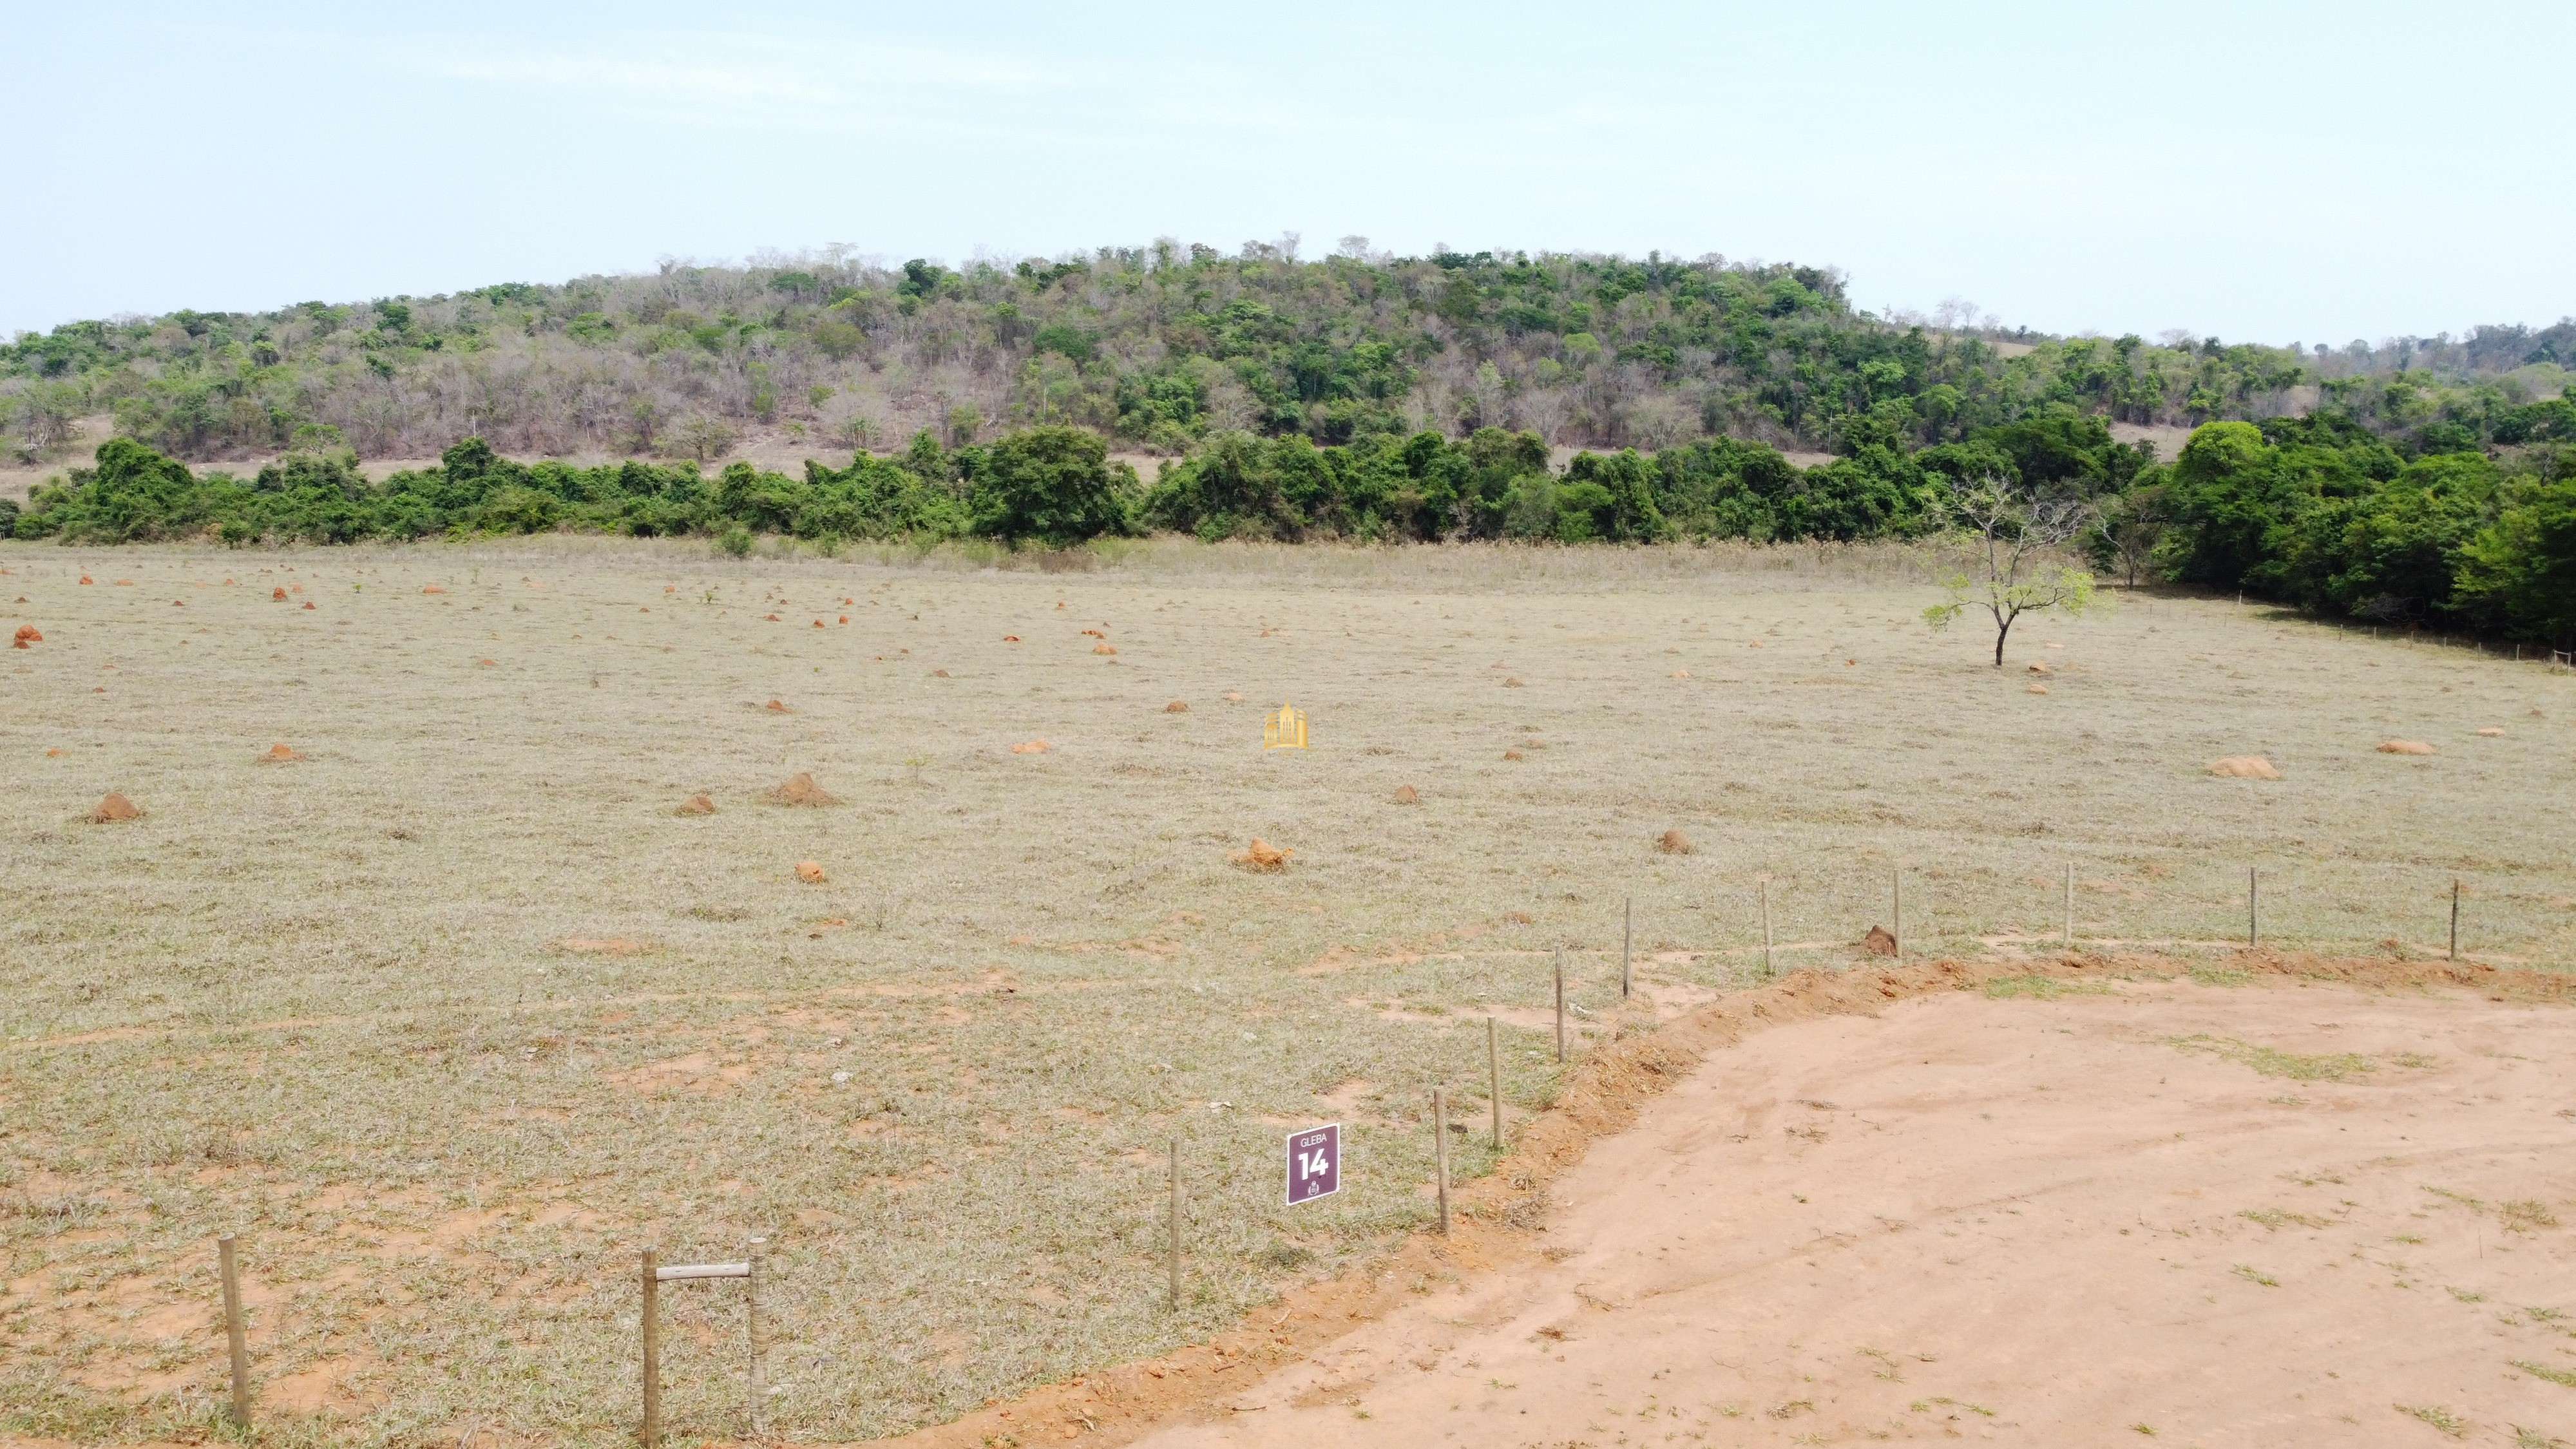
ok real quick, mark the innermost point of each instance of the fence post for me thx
(1176, 1222)
(2253, 909)
(2455, 918)
(751, 1330)
(1896, 910)
(1627, 938)
(1440, 1148)
(1494, 1072)
(229, 1262)
(1560, 1004)
(1765, 883)
(2070, 905)
(652, 1431)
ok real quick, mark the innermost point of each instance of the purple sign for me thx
(1314, 1163)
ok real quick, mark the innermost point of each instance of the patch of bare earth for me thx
(2069, 1205)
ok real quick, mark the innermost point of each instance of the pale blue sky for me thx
(2264, 173)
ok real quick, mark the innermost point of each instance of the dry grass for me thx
(334, 1006)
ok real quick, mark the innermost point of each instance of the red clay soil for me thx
(1224, 1391)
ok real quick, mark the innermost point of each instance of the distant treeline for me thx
(1165, 347)
(2318, 511)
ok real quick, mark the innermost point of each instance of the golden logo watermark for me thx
(1285, 730)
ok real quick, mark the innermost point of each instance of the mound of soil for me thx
(1178, 706)
(1407, 795)
(27, 634)
(1031, 747)
(1673, 842)
(2404, 747)
(697, 805)
(1879, 942)
(280, 754)
(810, 871)
(800, 789)
(2244, 767)
(114, 808)
(774, 707)
(2039, 689)
(278, 594)
(1104, 648)
(1260, 855)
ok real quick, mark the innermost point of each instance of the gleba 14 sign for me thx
(1314, 1163)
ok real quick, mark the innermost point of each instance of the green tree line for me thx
(2317, 511)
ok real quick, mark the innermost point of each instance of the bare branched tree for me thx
(2015, 535)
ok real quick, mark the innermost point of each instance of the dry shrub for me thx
(1407, 795)
(1260, 855)
(2404, 747)
(1178, 706)
(800, 789)
(1879, 942)
(27, 634)
(2491, 732)
(810, 871)
(697, 805)
(774, 707)
(1673, 842)
(2244, 767)
(280, 754)
(1031, 747)
(114, 808)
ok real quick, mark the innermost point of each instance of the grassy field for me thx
(450, 1016)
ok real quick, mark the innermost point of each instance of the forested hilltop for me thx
(1159, 347)
(1356, 397)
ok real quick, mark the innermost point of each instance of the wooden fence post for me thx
(1440, 1148)
(1767, 971)
(652, 1431)
(1560, 1003)
(2455, 918)
(1627, 939)
(1176, 1222)
(2070, 905)
(1494, 1071)
(229, 1262)
(2253, 909)
(1896, 911)
(751, 1330)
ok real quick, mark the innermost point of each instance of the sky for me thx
(2265, 173)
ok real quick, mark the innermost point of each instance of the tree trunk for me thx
(2002, 627)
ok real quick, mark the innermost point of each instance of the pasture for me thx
(451, 1014)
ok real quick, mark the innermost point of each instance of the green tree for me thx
(1052, 485)
(2013, 533)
